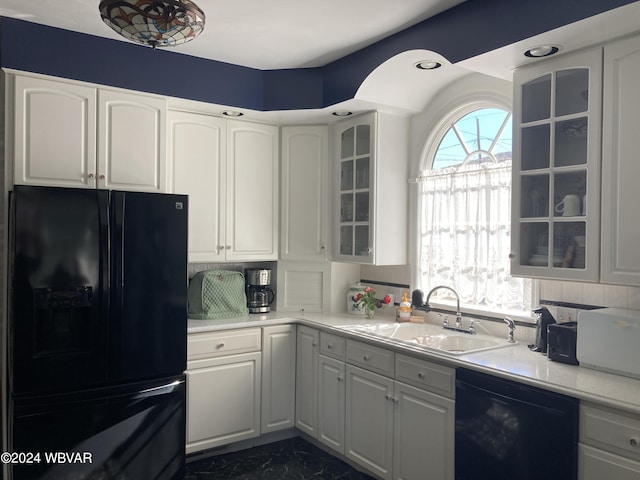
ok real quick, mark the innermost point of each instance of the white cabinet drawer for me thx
(427, 375)
(595, 464)
(371, 358)
(333, 345)
(615, 431)
(218, 344)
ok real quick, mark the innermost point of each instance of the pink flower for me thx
(368, 299)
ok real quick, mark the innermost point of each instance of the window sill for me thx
(523, 317)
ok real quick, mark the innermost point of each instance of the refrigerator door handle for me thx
(119, 200)
(103, 219)
(161, 390)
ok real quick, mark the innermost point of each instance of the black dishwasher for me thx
(511, 431)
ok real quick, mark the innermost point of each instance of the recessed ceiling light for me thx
(542, 51)
(344, 113)
(427, 65)
(232, 113)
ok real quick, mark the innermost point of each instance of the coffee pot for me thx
(259, 294)
(544, 319)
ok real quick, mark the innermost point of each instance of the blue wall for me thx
(472, 28)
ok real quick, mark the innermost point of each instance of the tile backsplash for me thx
(596, 294)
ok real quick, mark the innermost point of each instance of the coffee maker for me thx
(544, 319)
(259, 295)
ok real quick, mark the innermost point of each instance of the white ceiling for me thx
(262, 34)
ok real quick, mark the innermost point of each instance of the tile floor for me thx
(289, 459)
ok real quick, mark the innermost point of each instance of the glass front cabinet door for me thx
(355, 190)
(556, 168)
(370, 172)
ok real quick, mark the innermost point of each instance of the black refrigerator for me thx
(97, 333)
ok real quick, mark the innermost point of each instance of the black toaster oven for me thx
(561, 338)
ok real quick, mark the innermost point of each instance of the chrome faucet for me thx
(512, 326)
(445, 323)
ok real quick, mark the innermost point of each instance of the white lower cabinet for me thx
(369, 421)
(223, 388)
(609, 444)
(595, 464)
(307, 380)
(394, 429)
(331, 402)
(392, 414)
(331, 391)
(278, 378)
(424, 425)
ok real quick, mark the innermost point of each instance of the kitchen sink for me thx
(430, 337)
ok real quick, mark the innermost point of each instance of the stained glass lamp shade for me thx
(158, 23)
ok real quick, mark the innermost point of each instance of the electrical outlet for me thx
(565, 314)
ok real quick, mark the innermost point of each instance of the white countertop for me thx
(515, 362)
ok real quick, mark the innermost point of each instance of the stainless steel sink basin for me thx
(430, 337)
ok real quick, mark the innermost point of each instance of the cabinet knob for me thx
(330, 346)
(91, 175)
(228, 247)
(512, 256)
(420, 375)
(220, 247)
(340, 378)
(633, 441)
(366, 358)
(314, 344)
(102, 177)
(220, 345)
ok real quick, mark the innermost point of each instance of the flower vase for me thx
(370, 313)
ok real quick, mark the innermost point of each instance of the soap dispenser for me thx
(404, 310)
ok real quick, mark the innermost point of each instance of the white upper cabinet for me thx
(575, 166)
(370, 189)
(70, 134)
(132, 141)
(197, 155)
(55, 133)
(556, 169)
(620, 165)
(304, 192)
(229, 169)
(252, 191)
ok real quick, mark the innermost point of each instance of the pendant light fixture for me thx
(158, 23)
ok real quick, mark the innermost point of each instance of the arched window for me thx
(464, 204)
